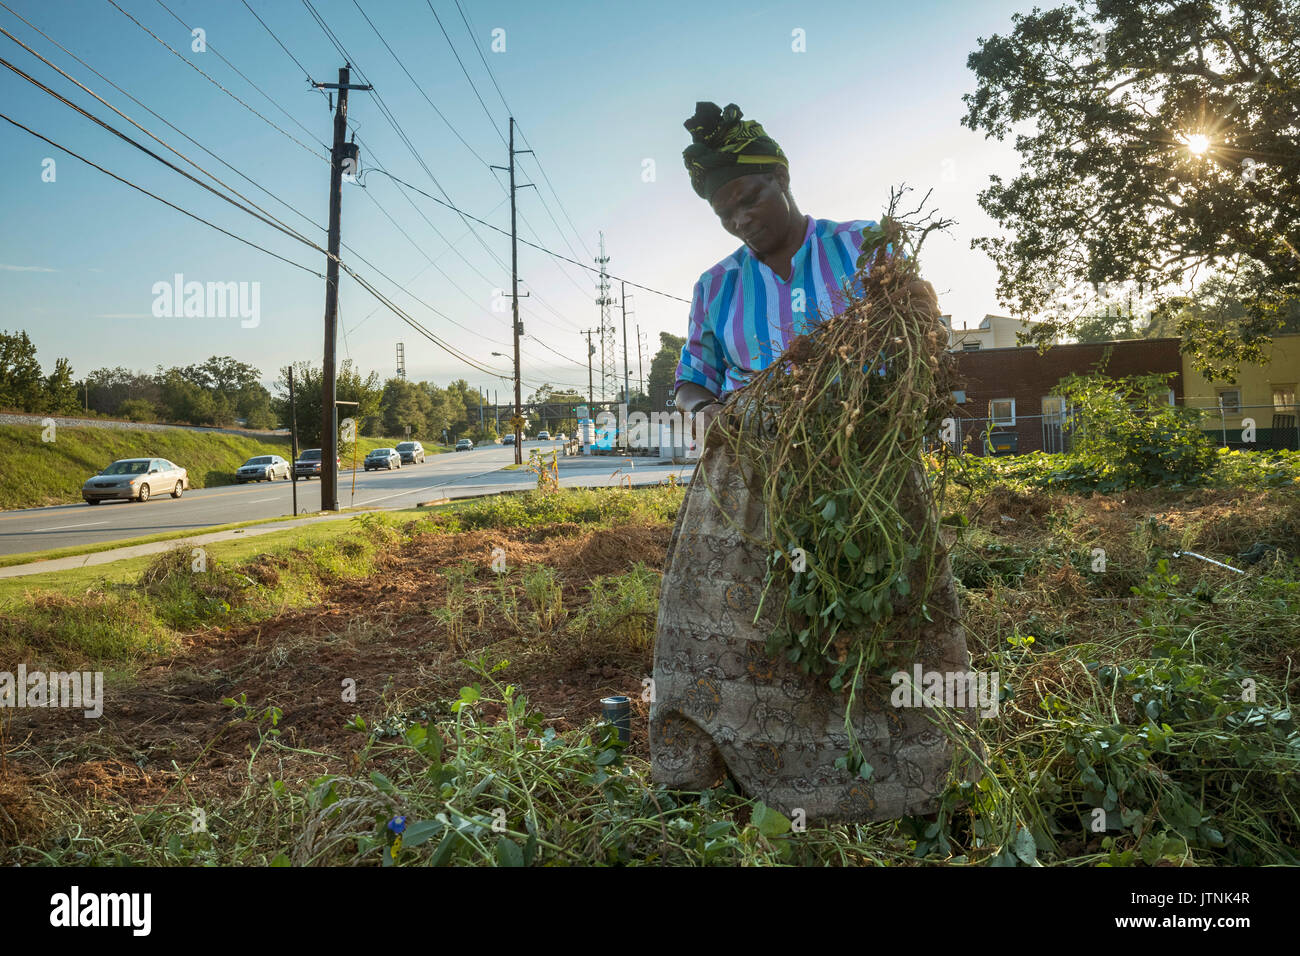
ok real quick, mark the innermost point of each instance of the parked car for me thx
(308, 464)
(464, 445)
(262, 468)
(543, 436)
(412, 452)
(386, 458)
(508, 439)
(136, 479)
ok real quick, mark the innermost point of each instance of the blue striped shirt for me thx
(743, 315)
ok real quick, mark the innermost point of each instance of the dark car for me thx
(464, 445)
(308, 464)
(387, 458)
(412, 452)
(262, 468)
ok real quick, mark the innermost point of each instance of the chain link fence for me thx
(1243, 428)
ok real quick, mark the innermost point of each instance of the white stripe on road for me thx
(65, 527)
(416, 491)
(258, 501)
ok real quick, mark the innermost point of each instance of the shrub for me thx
(1125, 431)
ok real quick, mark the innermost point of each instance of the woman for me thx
(721, 705)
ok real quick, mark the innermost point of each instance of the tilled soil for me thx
(388, 633)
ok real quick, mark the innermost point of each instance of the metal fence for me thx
(1245, 427)
(1252, 427)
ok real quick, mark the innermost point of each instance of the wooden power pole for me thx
(514, 291)
(343, 155)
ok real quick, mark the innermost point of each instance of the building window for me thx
(1284, 398)
(1230, 400)
(1002, 411)
(971, 346)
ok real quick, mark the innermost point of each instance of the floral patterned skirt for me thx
(722, 705)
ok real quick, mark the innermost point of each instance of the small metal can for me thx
(618, 711)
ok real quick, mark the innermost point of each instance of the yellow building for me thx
(1264, 394)
(993, 332)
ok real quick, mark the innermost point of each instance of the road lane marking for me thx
(64, 527)
(416, 491)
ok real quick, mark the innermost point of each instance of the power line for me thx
(383, 106)
(417, 85)
(120, 179)
(451, 246)
(473, 363)
(392, 120)
(549, 252)
(157, 116)
(271, 221)
(214, 82)
(540, 167)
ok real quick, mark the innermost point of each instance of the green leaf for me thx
(770, 823)
(382, 782)
(509, 853)
(1024, 847)
(828, 513)
(443, 853)
(421, 832)
(280, 860)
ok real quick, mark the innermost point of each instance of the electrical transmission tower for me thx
(401, 360)
(608, 369)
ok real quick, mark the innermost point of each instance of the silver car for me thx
(383, 458)
(411, 451)
(136, 479)
(262, 468)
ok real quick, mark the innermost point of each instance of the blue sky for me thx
(597, 88)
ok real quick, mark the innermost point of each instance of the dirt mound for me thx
(620, 549)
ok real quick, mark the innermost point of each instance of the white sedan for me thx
(136, 479)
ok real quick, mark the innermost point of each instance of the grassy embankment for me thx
(40, 473)
(1144, 719)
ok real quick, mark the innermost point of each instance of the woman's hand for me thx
(704, 418)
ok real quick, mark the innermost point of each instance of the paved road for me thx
(449, 475)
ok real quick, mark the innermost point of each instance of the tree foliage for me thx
(21, 383)
(1103, 99)
(663, 369)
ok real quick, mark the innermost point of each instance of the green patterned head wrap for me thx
(726, 147)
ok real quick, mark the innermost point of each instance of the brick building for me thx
(1008, 391)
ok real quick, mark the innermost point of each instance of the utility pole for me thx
(514, 289)
(343, 154)
(640, 366)
(293, 442)
(591, 350)
(627, 394)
